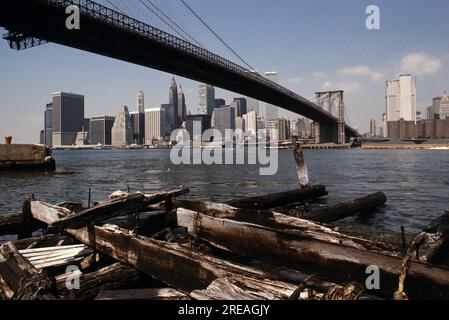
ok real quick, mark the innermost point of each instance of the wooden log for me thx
(145, 223)
(174, 265)
(120, 206)
(142, 294)
(112, 277)
(282, 222)
(301, 166)
(344, 210)
(331, 261)
(19, 279)
(432, 245)
(279, 199)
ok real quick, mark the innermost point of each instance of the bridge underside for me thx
(39, 20)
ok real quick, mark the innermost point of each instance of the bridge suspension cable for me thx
(188, 35)
(216, 35)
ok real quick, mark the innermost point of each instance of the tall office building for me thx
(140, 102)
(67, 118)
(224, 118)
(439, 108)
(373, 128)
(401, 99)
(283, 126)
(122, 132)
(182, 108)
(250, 120)
(48, 125)
(155, 129)
(202, 120)
(272, 112)
(242, 107)
(206, 99)
(220, 103)
(100, 130)
(138, 124)
(173, 100)
(252, 105)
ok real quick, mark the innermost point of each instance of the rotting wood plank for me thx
(316, 256)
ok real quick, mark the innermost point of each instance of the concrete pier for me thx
(26, 157)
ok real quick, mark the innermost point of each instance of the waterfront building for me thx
(220, 103)
(48, 125)
(252, 105)
(250, 122)
(401, 99)
(439, 108)
(373, 128)
(67, 118)
(140, 102)
(424, 129)
(271, 110)
(199, 119)
(241, 105)
(138, 126)
(122, 132)
(224, 118)
(41, 137)
(182, 108)
(100, 130)
(206, 99)
(283, 126)
(155, 125)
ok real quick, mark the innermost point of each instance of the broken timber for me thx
(279, 199)
(281, 222)
(19, 279)
(301, 166)
(328, 260)
(344, 210)
(60, 218)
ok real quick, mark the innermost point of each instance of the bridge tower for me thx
(332, 102)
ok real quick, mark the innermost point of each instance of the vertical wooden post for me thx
(88, 201)
(301, 166)
(26, 221)
(404, 244)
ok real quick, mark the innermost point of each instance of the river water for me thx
(416, 182)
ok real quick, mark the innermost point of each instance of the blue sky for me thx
(313, 45)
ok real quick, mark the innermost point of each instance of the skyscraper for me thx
(140, 102)
(182, 108)
(224, 118)
(138, 124)
(122, 133)
(401, 99)
(100, 131)
(372, 128)
(173, 100)
(206, 99)
(271, 110)
(154, 125)
(48, 125)
(241, 106)
(67, 118)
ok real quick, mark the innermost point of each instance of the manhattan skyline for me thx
(322, 45)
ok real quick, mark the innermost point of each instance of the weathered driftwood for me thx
(344, 210)
(331, 261)
(142, 294)
(432, 245)
(144, 222)
(60, 218)
(279, 199)
(301, 166)
(9, 223)
(282, 222)
(19, 279)
(111, 277)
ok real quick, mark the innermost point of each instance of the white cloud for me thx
(420, 63)
(347, 86)
(362, 71)
(318, 74)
